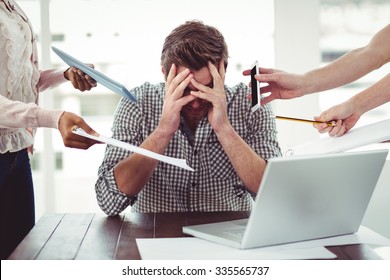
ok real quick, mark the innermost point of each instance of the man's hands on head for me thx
(195, 94)
(175, 99)
(217, 114)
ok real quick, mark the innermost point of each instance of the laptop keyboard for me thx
(242, 223)
(236, 233)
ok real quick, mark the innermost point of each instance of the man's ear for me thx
(163, 72)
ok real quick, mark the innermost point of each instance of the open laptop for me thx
(302, 198)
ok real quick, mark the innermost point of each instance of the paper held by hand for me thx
(170, 160)
(355, 138)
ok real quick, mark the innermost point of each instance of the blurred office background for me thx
(123, 39)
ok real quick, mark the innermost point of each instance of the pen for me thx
(332, 123)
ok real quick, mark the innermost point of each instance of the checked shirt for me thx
(214, 186)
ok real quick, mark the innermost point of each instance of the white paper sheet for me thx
(189, 248)
(196, 248)
(174, 161)
(363, 236)
(356, 137)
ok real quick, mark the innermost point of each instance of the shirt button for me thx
(195, 152)
(193, 184)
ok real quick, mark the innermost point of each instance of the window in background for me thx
(347, 25)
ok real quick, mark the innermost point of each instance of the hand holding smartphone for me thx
(255, 87)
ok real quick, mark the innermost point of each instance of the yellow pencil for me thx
(332, 123)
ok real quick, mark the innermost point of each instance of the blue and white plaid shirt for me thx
(214, 186)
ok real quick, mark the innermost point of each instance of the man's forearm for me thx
(248, 165)
(132, 173)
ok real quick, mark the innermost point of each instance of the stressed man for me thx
(195, 116)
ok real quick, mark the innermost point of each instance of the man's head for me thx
(192, 45)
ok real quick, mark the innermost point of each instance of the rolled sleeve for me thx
(110, 199)
(263, 139)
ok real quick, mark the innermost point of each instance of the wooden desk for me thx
(98, 237)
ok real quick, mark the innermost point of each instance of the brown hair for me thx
(192, 45)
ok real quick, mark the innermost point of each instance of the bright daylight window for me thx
(346, 25)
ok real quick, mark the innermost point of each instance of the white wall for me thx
(297, 34)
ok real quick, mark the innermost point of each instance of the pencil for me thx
(332, 123)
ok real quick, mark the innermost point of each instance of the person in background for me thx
(348, 68)
(195, 116)
(20, 84)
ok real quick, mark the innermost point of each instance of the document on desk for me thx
(196, 248)
(355, 138)
(170, 160)
(98, 76)
(192, 248)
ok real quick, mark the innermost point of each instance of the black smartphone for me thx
(255, 87)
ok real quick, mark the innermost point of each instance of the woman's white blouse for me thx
(21, 81)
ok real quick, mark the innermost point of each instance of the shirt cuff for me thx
(48, 117)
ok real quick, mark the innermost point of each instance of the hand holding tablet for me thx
(98, 76)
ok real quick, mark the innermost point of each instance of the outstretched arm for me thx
(348, 68)
(349, 112)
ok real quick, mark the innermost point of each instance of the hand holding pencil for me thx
(336, 121)
(346, 115)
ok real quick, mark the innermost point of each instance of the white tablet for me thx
(98, 76)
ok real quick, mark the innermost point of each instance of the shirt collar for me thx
(9, 5)
(12, 6)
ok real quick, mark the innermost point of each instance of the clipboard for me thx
(96, 75)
